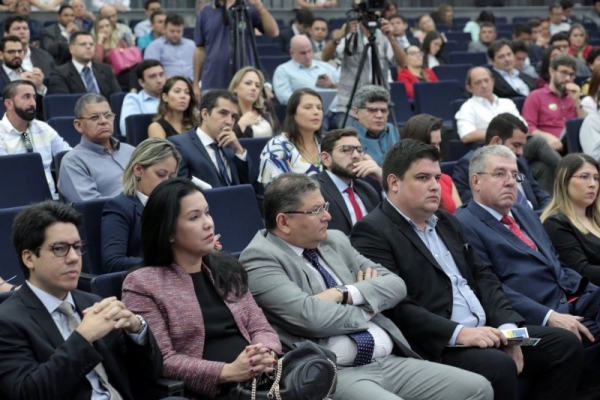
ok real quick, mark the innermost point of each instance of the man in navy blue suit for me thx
(508, 130)
(211, 155)
(511, 239)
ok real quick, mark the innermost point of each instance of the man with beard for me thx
(547, 109)
(15, 25)
(21, 133)
(11, 50)
(345, 160)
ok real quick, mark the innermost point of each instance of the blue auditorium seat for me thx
(91, 212)
(519, 101)
(457, 72)
(270, 63)
(108, 285)
(269, 50)
(464, 57)
(65, 128)
(116, 103)
(136, 127)
(400, 103)
(23, 180)
(448, 167)
(573, 128)
(60, 105)
(9, 263)
(434, 98)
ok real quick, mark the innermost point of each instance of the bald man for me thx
(119, 30)
(302, 71)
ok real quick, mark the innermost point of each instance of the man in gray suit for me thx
(312, 285)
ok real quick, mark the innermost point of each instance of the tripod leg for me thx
(380, 78)
(361, 65)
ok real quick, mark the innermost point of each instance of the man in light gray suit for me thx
(312, 285)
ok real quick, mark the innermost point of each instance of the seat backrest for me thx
(400, 103)
(116, 103)
(464, 57)
(270, 49)
(254, 146)
(457, 72)
(188, 32)
(459, 37)
(456, 105)
(270, 63)
(23, 180)
(91, 212)
(137, 128)
(448, 167)
(519, 101)
(65, 128)
(2, 106)
(56, 163)
(435, 97)
(573, 128)
(60, 105)
(108, 285)
(236, 215)
(9, 262)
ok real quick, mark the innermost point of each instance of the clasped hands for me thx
(105, 316)
(253, 360)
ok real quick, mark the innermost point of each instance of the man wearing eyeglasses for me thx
(94, 168)
(21, 132)
(371, 107)
(511, 239)
(345, 161)
(455, 309)
(58, 342)
(508, 130)
(313, 286)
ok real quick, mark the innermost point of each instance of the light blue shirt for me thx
(177, 59)
(377, 147)
(514, 81)
(144, 41)
(51, 304)
(342, 186)
(467, 310)
(290, 76)
(137, 103)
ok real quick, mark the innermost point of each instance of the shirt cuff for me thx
(452, 341)
(140, 338)
(545, 321)
(357, 297)
(243, 156)
(42, 92)
(201, 184)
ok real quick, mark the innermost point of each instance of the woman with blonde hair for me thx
(257, 116)
(153, 161)
(578, 42)
(177, 112)
(572, 219)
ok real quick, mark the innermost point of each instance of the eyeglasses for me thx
(318, 212)
(61, 249)
(567, 74)
(349, 149)
(503, 175)
(96, 117)
(587, 177)
(375, 110)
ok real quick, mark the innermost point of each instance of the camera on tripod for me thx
(368, 12)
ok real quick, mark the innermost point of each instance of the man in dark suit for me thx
(401, 31)
(55, 38)
(511, 239)
(15, 25)
(454, 299)
(509, 82)
(508, 130)
(345, 160)
(58, 342)
(301, 26)
(81, 75)
(211, 155)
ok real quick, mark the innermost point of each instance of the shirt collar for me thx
(9, 71)
(514, 72)
(96, 148)
(486, 101)
(300, 66)
(431, 222)
(50, 302)
(494, 213)
(204, 138)
(142, 197)
(9, 126)
(340, 184)
(145, 96)
(79, 67)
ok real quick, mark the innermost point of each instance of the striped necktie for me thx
(88, 80)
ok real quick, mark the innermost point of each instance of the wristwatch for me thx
(344, 291)
(142, 323)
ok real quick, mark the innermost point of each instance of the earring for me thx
(171, 240)
(138, 178)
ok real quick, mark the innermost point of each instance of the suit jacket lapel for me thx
(101, 79)
(343, 273)
(40, 316)
(79, 86)
(335, 194)
(139, 207)
(363, 196)
(540, 253)
(198, 144)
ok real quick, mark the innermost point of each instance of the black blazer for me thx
(122, 233)
(37, 363)
(43, 60)
(65, 79)
(285, 35)
(5, 80)
(195, 161)
(385, 237)
(503, 88)
(340, 215)
(575, 250)
(538, 197)
(56, 44)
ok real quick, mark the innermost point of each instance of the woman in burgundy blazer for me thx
(196, 302)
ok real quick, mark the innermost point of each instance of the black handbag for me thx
(308, 372)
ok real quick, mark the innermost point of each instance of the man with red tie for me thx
(344, 160)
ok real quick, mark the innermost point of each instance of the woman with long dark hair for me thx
(210, 331)
(177, 111)
(433, 46)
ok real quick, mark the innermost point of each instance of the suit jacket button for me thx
(563, 300)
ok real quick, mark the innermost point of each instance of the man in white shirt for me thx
(145, 27)
(21, 133)
(151, 77)
(555, 16)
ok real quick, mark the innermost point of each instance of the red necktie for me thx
(512, 225)
(357, 210)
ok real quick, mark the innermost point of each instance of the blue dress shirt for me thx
(137, 103)
(177, 59)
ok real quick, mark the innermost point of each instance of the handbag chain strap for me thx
(275, 387)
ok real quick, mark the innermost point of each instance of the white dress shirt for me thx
(207, 141)
(342, 186)
(477, 112)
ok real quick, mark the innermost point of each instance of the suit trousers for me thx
(542, 161)
(553, 367)
(392, 377)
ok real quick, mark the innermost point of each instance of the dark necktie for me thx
(514, 228)
(67, 310)
(521, 199)
(321, 46)
(27, 142)
(88, 80)
(365, 342)
(355, 206)
(220, 163)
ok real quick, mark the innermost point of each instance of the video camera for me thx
(369, 12)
